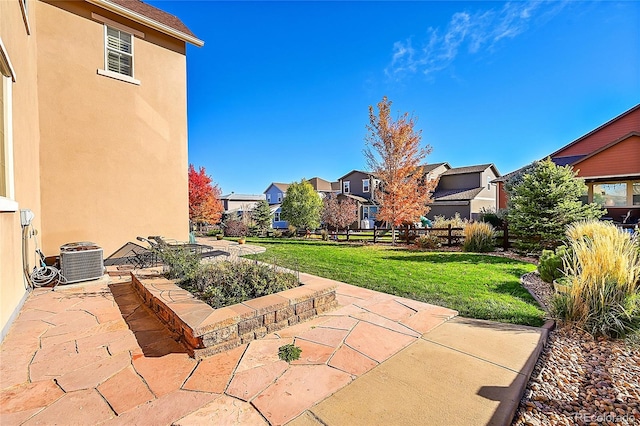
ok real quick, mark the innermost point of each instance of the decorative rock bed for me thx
(206, 331)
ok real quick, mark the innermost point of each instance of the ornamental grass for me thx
(479, 237)
(600, 291)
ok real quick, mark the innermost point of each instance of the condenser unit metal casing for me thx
(81, 262)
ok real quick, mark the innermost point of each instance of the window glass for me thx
(119, 51)
(610, 194)
(636, 193)
(365, 185)
(276, 217)
(347, 186)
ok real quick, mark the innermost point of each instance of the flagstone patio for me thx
(93, 354)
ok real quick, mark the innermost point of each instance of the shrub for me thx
(277, 233)
(179, 263)
(224, 283)
(324, 234)
(428, 241)
(551, 266)
(235, 228)
(492, 217)
(603, 273)
(456, 222)
(479, 237)
(213, 232)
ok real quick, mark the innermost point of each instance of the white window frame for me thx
(7, 78)
(131, 32)
(279, 197)
(276, 216)
(268, 198)
(366, 188)
(346, 187)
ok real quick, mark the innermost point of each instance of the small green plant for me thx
(600, 294)
(179, 263)
(479, 237)
(495, 218)
(428, 241)
(289, 352)
(551, 266)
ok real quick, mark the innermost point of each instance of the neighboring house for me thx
(464, 190)
(358, 185)
(93, 129)
(274, 195)
(608, 158)
(240, 203)
(435, 170)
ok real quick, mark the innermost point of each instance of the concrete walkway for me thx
(93, 354)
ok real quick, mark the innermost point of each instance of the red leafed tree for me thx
(395, 157)
(339, 213)
(204, 198)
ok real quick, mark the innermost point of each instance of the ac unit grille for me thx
(81, 265)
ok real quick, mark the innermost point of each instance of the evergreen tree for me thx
(262, 215)
(542, 200)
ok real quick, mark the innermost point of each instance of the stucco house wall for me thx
(113, 153)
(20, 139)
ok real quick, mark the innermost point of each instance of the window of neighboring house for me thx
(346, 187)
(488, 182)
(276, 217)
(365, 185)
(610, 194)
(268, 198)
(279, 197)
(369, 212)
(7, 77)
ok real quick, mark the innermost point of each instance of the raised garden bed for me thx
(206, 331)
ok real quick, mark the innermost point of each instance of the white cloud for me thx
(477, 31)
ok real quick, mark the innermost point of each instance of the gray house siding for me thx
(355, 180)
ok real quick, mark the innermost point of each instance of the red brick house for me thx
(608, 158)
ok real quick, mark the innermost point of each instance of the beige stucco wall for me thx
(113, 154)
(21, 49)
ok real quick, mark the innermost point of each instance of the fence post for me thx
(348, 234)
(450, 235)
(375, 228)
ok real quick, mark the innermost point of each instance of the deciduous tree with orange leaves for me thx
(204, 198)
(395, 157)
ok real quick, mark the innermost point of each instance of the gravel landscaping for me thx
(580, 380)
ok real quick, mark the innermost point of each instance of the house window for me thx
(488, 182)
(635, 196)
(276, 217)
(279, 197)
(7, 77)
(369, 212)
(118, 54)
(610, 194)
(365, 185)
(268, 198)
(346, 187)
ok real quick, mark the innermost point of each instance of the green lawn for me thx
(478, 286)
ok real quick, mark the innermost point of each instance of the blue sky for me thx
(281, 90)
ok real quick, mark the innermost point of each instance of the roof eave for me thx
(141, 19)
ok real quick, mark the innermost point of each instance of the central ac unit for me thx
(81, 262)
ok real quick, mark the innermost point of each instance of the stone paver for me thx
(93, 354)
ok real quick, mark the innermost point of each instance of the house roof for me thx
(354, 171)
(243, 197)
(471, 169)
(433, 166)
(281, 186)
(320, 184)
(608, 123)
(150, 16)
(355, 197)
(456, 194)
